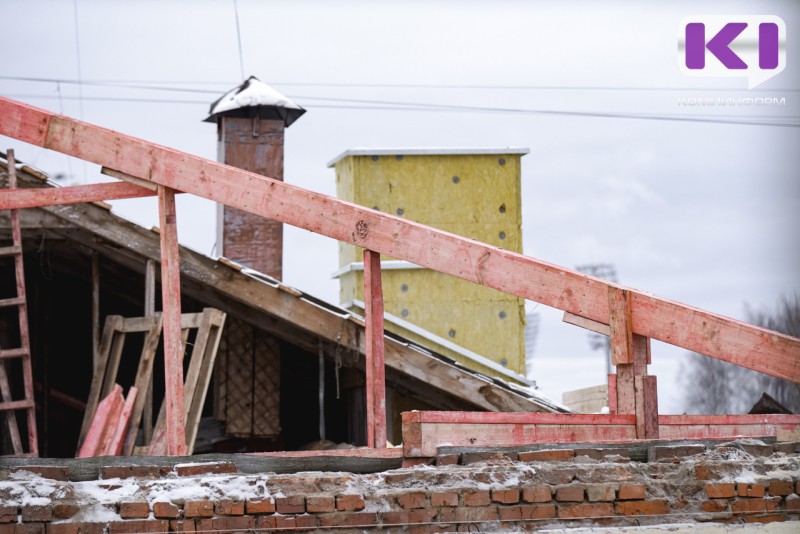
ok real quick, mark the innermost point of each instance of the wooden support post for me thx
(321, 391)
(376, 379)
(95, 308)
(149, 311)
(171, 302)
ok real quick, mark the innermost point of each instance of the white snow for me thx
(256, 93)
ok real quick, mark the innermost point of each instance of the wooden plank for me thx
(171, 302)
(105, 414)
(375, 369)
(9, 415)
(646, 407)
(112, 363)
(390, 452)
(588, 324)
(48, 196)
(216, 320)
(120, 430)
(619, 305)
(112, 324)
(142, 381)
(612, 394)
(522, 418)
(95, 308)
(149, 311)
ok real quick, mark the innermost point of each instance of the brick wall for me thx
(505, 491)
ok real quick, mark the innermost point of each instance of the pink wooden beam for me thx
(171, 302)
(121, 428)
(101, 429)
(375, 370)
(653, 317)
(51, 196)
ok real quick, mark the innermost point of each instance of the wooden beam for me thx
(50, 196)
(653, 317)
(171, 299)
(619, 323)
(375, 369)
(95, 308)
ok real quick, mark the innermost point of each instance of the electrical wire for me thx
(239, 37)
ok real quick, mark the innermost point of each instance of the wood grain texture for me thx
(619, 323)
(693, 329)
(49, 196)
(375, 369)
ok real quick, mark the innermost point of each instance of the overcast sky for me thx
(703, 212)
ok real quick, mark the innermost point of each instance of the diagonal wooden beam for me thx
(653, 317)
(51, 196)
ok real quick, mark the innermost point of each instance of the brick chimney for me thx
(251, 119)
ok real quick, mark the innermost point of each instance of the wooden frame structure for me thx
(633, 317)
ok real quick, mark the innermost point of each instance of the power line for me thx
(239, 36)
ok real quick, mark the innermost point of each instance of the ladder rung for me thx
(16, 301)
(13, 353)
(16, 405)
(10, 251)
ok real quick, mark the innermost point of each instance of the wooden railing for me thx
(632, 317)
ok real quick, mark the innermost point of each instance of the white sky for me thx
(703, 213)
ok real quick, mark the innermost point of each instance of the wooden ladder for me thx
(8, 406)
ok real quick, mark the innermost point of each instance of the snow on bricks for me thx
(725, 484)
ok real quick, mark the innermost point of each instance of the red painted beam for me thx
(171, 302)
(653, 317)
(51, 196)
(375, 369)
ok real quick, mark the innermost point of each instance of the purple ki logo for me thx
(744, 46)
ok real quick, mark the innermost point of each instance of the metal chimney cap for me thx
(254, 98)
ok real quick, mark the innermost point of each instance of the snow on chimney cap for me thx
(254, 98)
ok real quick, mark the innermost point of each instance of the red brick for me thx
(475, 457)
(347, 503)
(229, 507)
(232, 523)
(654, 507)
(414, 499)
(320, 504)
(138, 527)
(571, 493)
(8, 514)
(527, 511)
(631, 491)
(444, 498)
(64, 510)
(212, 468)
(477, 514)
(134, 510)
(256, 506)
(674, 452)
(133, 471)
(185, 525)
(395, 518)
(602, 454)
(36, 513)
(425, 515)
(166, 510)
(285, 522)
(305, 522)
(750, 490)
(601, 492)
(508, 496)
(295, 504)
(76, 528)
(746, 506)
(198, 509)
(447, 459)
(537, 494)
(720, 490)
(476, 498)
(793, 504)
(548, 455)
(714, 506)
(577, 511)
(23, 528)
(53, 472)
(765, 518)
(781, 487)
(703, 472)
(348, 520)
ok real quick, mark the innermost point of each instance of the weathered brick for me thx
(474, 457)
(294, 504)
(556, 475)
(318, 504)
(715, 506)
(477, 514)
(166, 510)
(424, 515)
(601, 492)
(229, 507)
(447, 459)
(720, 490)
(602, 453)
(655, 454)
(134, 510)
(76, 528)
(183, 525)
(577, 511)
(395, 518)
(198, 509)
(36, 513)
(537, 494)
(349, 503)
(506, 496)
(631, 492)
(444, 498)
(744, 489)
(53, 472)
(212, 468)
(547, 455)
(23, 528)
(142, 526)
(527, 511)
(287, 522)
(64, 510)
(654, 507)
(133, 471)
(476, 498)
(793, 503)
(757, 450)
(571, 493)
(232, 523)
(704, 472)
(260, 506)
(773, 518)
(745, 506)
(447, 515)
(8, 514)
(781, 487)
(358, 519)
(307, 521)
(413, 499)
